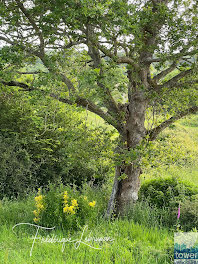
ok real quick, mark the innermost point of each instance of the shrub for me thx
(68, 207)
(189, 214)
(166, 192)
(163, 197)
(40, 139)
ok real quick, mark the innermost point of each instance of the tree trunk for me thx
(125, 191)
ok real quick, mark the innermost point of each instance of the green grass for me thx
(183, 135)
(131, 243)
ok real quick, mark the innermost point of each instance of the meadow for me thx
(137, 237)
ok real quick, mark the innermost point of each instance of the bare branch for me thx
(155, 131)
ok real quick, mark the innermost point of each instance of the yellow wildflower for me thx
(36, 213)
(36, 219)
(92, 204)
(39, 205)
(38, 198)
(69, 209)
(65, 209)
(85, 198)
(74, 203)
(65, 195)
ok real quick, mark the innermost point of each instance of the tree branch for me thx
(179, 84)
(86, 103)
(175, 79)
(96, 57)
(153, 133)
(36, 72)
(176, 56)
(24, 86)
(28, 50)
(90, 106)
(162, 74)
(32, 22)
(69, 84)
(6, 40)
(117, 59)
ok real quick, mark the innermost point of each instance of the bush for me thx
(68, 208)
(189, 214)
(166, 192)
(42, 141)
(17, 170)
(163, 197)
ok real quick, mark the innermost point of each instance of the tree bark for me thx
(128, 188)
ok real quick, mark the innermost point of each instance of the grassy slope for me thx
(132, 243)
(184, 136)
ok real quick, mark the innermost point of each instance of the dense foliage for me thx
(42, 142)
(162, 199)
(166, 192)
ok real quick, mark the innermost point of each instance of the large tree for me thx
(119, 59)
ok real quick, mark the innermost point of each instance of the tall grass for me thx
(131, 243)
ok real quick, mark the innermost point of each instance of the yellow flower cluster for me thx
(39, 205)
(74, 203)
(92, 204)
(69, 209)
